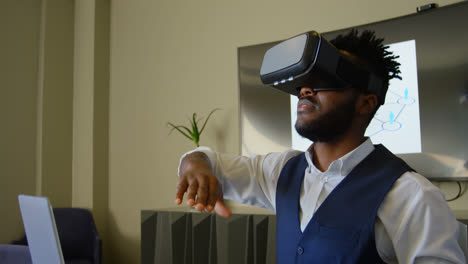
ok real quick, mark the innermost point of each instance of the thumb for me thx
(221, 209)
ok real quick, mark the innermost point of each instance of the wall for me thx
(90, 111)
(83, 74)
(54, 107)
(19, 49)
(36, 105)
(172, 58)
(55, 102)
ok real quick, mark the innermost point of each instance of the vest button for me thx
(300, 250)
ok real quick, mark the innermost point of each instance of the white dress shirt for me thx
(414, 223)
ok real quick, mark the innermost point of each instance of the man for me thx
(344, 200)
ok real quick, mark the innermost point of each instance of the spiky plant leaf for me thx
(178, 129)
(207, 118)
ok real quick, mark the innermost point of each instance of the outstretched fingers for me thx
(214, 193)
(180, 191)
(203, 191)
(221, 209)
(202, 194)
(192, 193)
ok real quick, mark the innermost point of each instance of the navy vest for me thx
(342, 229)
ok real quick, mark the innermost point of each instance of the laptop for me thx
(41, 231)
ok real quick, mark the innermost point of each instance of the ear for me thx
(366, 104)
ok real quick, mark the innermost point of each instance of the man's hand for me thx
(202, 187)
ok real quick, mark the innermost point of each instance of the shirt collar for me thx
(344, 165)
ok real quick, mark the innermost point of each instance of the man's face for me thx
(325, 115)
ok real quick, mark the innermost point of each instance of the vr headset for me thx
(298, 61)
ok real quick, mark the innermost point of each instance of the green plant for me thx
(194, 134)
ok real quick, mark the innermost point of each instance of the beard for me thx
(330, 125)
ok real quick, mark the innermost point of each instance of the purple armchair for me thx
(14, 254)
(78, 235)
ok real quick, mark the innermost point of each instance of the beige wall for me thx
(19, 49)
(83, 96)
(90, 110)
(172, 58)
(52, 144)
(35, 105)
(55, 107)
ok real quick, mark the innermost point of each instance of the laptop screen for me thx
(41, 231)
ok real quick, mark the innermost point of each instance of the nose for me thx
(306, 91)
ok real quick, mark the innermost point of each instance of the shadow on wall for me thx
(120, 247)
